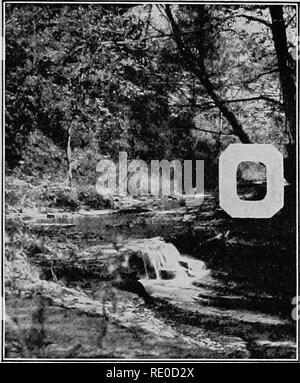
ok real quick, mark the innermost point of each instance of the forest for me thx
(87, 81)
(84, 82)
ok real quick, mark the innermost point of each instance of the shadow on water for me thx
(246, 270)
(253, 259)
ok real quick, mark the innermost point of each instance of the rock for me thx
(19, 273)
(273, 349)
(129, 281)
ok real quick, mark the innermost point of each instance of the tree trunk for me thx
(286, 68)
(196, 65)
(69, 158)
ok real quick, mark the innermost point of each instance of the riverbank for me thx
(67, 297)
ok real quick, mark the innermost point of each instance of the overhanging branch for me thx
(253, 18)
(213, 132)
(196, 65)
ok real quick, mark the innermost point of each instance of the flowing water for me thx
(165, 272)
(191, 291)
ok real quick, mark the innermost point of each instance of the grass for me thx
(21, 194)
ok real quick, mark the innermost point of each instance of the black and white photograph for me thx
(149, 182)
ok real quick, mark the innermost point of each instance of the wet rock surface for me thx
(115, 289)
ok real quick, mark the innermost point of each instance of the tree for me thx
(287, 67)
(195, 63)
(67, 76)
(100, 79)
(202, 39)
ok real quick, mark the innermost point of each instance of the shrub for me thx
(88, 196)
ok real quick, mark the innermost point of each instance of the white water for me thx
(180, 288)
(167, 273)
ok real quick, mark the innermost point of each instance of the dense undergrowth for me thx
(21, 194)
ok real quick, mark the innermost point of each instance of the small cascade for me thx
(161, 260)
(161, 266)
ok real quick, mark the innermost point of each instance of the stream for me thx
(198, 309)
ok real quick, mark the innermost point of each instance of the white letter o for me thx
(228, 163)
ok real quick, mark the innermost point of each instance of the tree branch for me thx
(209, 105)
(196, 65)
(213, 132)
(274, 70)
(261, 97)
(253, 18)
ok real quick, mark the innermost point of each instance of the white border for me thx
(2, 142)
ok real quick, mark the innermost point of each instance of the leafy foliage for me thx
(108, 78)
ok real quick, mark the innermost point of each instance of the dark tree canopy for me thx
(156, 81)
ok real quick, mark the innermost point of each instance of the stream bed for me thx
(148, 282)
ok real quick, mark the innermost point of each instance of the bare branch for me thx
(209, 105)
(253, 18)
(261, 97)
(260, 75)
(213, 132)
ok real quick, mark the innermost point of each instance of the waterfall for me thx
(162, 262)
